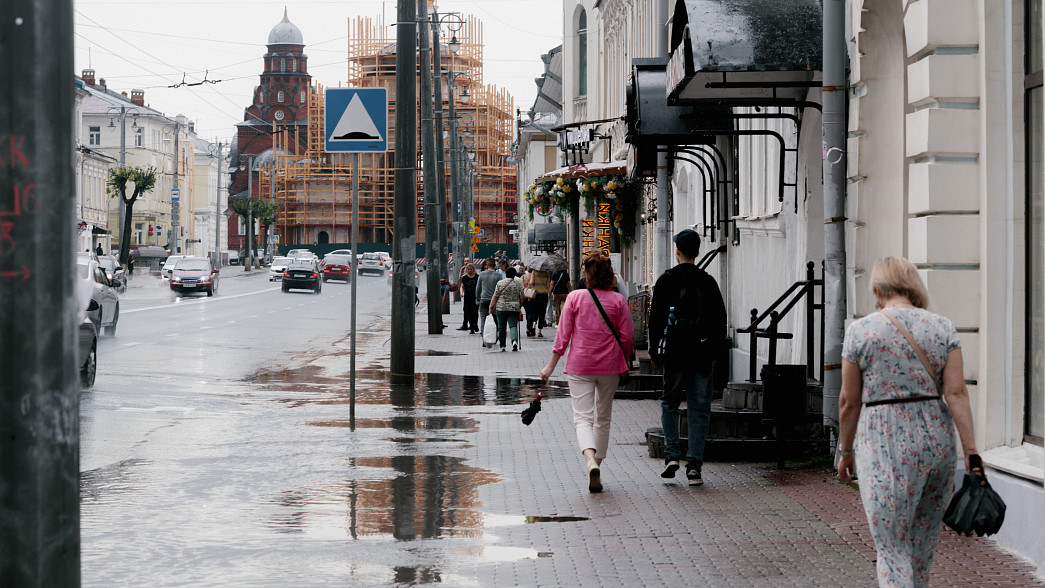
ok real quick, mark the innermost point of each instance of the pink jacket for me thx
(593, 350)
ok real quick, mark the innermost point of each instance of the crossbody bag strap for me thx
(606, 318)
(917, 350)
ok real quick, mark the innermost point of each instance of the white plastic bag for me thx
(490, 330)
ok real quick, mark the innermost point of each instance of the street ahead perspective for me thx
(543, 293)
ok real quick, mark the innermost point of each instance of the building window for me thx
(282, 64)
(273, 64)
(294, 64)
(1034, 121)
(138, 137)
(582, 54)
(279, 97)
(95, 135)
(302, 98)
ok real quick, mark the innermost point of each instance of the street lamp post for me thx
(454, 23)
(122, 112)
(455, 168)
(217, 152)
(175, 191)
(249, 230)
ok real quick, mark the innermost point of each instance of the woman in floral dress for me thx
(903, 432)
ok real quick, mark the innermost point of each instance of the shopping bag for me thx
(549, 317)
(490, 330)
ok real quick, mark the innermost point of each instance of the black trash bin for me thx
(783, 401)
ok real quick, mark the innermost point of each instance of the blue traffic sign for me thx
(356, 120)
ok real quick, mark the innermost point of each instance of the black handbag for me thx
(975, 507)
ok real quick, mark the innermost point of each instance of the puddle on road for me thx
(434, 353)
(373, 388)
(405, 498)
(112, 482)
(408, 424)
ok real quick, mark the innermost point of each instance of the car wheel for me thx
(210, 291)
(89, 368)
(285, 288)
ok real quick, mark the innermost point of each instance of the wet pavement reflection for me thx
(276, 487)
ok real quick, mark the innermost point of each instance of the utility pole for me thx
(404, 249)
(217, 212)
(39, 420)
(433, 244)
(123, 162)
(248, 231)
(175, 192)
(437, 75)
(834, 96)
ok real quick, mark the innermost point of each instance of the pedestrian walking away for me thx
(507, 304)
(687, 329)
(469, 280)
(595, 360)
(560, 289)
(892, 416)
(488, 279)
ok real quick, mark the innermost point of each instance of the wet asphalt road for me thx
(216, 447)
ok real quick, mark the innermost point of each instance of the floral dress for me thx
(905, 453)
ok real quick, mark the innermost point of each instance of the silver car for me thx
(93, 283)
(373, 263)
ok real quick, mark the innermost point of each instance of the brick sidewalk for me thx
(749, 525)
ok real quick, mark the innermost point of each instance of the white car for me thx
(373, 263)
(277, 267)
(386, 259)
(168, 267)
(93, 283)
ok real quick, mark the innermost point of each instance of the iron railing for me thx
(801, 289)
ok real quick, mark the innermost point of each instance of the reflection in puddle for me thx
(403, 497)
(374, 388)
(407, 424)
(410, 576)
(497, 553)
(434, 353)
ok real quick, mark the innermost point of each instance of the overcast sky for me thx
(149, 44)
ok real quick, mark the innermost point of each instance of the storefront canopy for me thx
(586, 170)
(744, 49)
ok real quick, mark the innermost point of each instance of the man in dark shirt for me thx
(688, 356)
(488, 279)
(469, 280)
(560, 288)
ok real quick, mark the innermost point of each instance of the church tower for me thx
(281, 95)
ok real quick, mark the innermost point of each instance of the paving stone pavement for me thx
(748, 525)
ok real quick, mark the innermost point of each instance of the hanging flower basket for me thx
(625, 196)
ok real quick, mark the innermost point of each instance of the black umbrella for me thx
(976, 507)
(550, 263)
(530, 413)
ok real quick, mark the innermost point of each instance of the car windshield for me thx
(336, 260)
(193, 265)
(280, 260)
(172, 261)
(371, 256)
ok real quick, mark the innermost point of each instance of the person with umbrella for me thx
(596, 327)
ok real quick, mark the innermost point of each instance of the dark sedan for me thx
(303, 274)
(337, 267)
(194, 274)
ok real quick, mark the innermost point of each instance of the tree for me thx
(249, 208)
(266, 212)
(144, 179)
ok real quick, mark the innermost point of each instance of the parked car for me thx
(93, 283)
(168, 266)
(277, 267)
(373, 263)
(194, 274)
(302, 273)
(113, 271)
(337, 267)
(233, 257)
(87, 348)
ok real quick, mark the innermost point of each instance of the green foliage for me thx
(624, 195)
(144, 179)
(240, 205)
(266, 212)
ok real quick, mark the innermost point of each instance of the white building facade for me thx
(945, 166)
(92, 175)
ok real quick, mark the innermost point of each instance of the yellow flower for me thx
(559, 181)
(567, 188)
(611, 185)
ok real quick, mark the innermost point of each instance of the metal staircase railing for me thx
(801, 289)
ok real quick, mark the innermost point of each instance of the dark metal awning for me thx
(737, 50)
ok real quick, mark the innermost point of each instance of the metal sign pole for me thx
(355, 275)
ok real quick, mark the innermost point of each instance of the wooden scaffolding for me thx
(314, 188)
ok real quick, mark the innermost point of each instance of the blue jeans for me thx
(686, 383)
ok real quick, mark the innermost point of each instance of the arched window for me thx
(261, 96)
(302, 98)
(294, 64)
(582, 54)
(273, 63)
(282, 64)
(279, 97)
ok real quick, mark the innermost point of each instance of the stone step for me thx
(748, 396)
(730, 450)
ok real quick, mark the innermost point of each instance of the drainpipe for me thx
(834, 96)
(663, 253)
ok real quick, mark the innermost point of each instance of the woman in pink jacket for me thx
(595, 361)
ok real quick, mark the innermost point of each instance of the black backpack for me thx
(688, 335)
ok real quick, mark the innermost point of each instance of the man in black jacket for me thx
(687, 353)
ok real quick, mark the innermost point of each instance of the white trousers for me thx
(592, 410)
